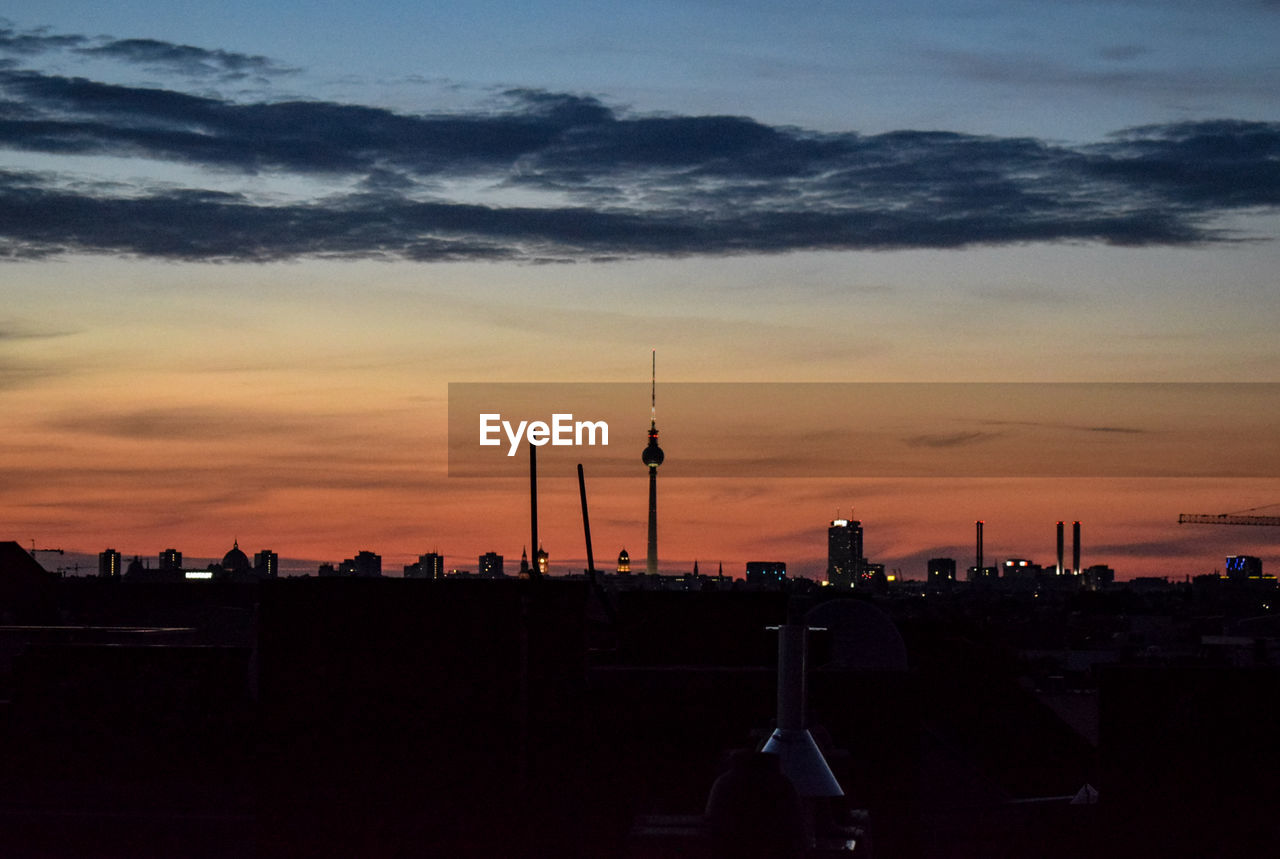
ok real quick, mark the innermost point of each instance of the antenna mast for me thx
(653, 392)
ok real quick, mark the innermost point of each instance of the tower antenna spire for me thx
(653, 392)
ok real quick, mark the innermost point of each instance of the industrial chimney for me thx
(1075, 548)
(1060, 529)
(977, 569)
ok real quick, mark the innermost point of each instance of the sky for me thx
(246, 249)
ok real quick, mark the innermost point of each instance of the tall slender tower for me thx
(652, 457)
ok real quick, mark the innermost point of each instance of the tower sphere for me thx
(652, 455)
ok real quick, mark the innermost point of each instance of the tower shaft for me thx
(651, 556)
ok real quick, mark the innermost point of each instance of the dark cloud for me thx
(184, 424)
(617, 185)
(1123, 53)
(155, 54)
(32, 42)
(1224, 163)
(1054, 425)
(186, 59)
(11, 330)
(945, 440)
(1188, 545)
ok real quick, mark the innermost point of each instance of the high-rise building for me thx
(109, 564)
(365, 565)
(624, 563)
(170, 560)
(490, 566)
(844, 552)
(428, 566)
(266, 564)
(766, 572)
(543, 561)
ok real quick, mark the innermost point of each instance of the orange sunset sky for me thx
(247, 251)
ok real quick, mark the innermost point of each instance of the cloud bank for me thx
(560, 176)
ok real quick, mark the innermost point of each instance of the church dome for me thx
(236, 561)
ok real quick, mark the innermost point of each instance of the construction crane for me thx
(1225, 519)
(1237, 518)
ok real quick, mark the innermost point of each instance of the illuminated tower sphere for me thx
(652, 457)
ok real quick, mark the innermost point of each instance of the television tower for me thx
(652, 457)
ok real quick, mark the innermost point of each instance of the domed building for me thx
(236, 566)
(236, 561)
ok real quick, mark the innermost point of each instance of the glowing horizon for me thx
(247, 250)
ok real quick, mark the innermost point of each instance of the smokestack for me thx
(978, 564)
(1060, 529)
(1075, 548)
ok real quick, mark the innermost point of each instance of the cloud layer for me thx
(557, 176)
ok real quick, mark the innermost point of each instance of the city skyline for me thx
(247, 250)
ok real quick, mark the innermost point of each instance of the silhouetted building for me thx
(235, 563)
(170, 561)
(543, 561)
(1240, 567)
(490, 566)
(1100, 576)
(942, 571)
(327, 571)
(266, 564)
(844, 552)
(28, 592)
(624, 563)
(428, 566)
(1021, 568)
(365, 565)
(766, 572)
(109, 564)
(985, 574)
(873, 576)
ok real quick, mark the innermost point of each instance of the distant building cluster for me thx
(234, 566)
(847, 567)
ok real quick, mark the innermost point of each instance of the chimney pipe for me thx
(534, 572)
(1060, 541)
(978, 566)
(801, 759)
(1075, 548)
